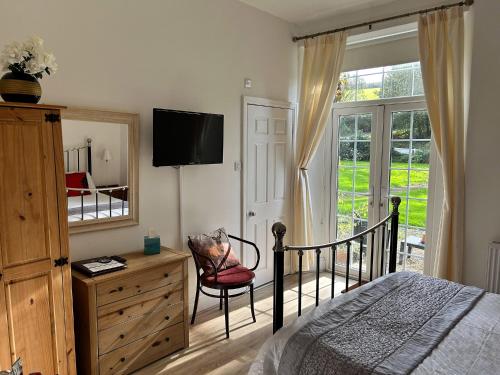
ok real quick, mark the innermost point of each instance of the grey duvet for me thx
(399, 324)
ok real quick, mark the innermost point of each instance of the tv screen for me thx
(184, 138)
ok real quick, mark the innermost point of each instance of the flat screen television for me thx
(185, 138)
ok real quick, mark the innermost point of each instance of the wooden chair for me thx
(229, 279)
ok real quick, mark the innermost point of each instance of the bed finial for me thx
(279, 230)
(396, 201)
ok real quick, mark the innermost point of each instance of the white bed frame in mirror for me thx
(129, 214)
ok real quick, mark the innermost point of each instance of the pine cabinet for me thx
(36, 319)
(128, 319)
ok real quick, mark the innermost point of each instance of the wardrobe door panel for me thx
(27, 185)
(31, 320)
(32, 285)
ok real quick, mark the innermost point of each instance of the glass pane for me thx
(361, 211)
(399, 183)
(347, 90)
(362, 180)
(344, 204)
(421, 151)
(382, 82)
(417, 213)
(347, 127)
(398, 83)
(364, 128)
(346, 153)
(421, 125)
(401, 123)
(345, 179)
(369, 87)
(344, 227)
(363, 154)
(400, 151)
(419, 184)
(418, 84)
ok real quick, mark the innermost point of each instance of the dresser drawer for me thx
(138, 283)
(140, 353)
(143, 304)
(132, 330)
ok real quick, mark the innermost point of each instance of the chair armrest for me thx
(248, 243)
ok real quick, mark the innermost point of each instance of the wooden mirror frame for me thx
(132, 121)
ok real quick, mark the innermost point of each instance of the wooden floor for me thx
(211, 353)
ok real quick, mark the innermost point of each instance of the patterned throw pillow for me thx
(215, 246)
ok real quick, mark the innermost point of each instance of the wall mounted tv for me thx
(185, 138)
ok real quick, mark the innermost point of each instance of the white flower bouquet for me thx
(29, 57)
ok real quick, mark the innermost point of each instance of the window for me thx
(395, 81)
(380, 149)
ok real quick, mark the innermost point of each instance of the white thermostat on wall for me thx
(248, 83)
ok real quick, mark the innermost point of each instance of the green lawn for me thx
(357, 180)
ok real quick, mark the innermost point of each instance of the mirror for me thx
(101, 166)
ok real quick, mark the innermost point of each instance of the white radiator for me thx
(493, 275)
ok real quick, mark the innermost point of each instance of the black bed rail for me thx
(279, 249)
(99, 206)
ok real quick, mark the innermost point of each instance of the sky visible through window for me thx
(394, 81)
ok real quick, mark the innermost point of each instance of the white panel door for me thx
(268, 183)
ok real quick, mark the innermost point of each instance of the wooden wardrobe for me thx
(36, 316)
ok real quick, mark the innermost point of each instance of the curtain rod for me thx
(466, 3)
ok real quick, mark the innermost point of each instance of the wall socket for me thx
(248, 83)
(237, 166)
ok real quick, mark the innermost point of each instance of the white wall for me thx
(482, 164)
(133, 56)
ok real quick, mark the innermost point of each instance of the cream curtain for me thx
(441, 40)
(322, 62)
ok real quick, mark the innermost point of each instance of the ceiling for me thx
(299, 11)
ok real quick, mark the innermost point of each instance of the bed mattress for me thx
(471, 347)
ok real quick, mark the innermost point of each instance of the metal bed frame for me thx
(279, 230)
(109, 191)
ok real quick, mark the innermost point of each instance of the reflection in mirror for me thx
(95, 160)
(100, 166)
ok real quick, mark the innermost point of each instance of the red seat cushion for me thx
(229, 277)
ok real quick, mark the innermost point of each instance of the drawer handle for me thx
(120, 289)
(120, 312)
(122, 359)
(156, 344)
(167, 295)
(167, 317)
(167, 339)
(166, 274)
(122, 336)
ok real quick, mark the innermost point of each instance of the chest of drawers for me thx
(127, 319)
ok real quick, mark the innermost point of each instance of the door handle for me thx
(251, 213)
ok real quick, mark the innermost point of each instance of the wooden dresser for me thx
(36, 321)
(127, 319)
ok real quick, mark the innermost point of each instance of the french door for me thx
(379, 151)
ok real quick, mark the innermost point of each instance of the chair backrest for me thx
(196, 258)
(212, 252)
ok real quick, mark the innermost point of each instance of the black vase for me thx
(20, 87)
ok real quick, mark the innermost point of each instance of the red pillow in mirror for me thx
(215, 246)
(77, 180)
